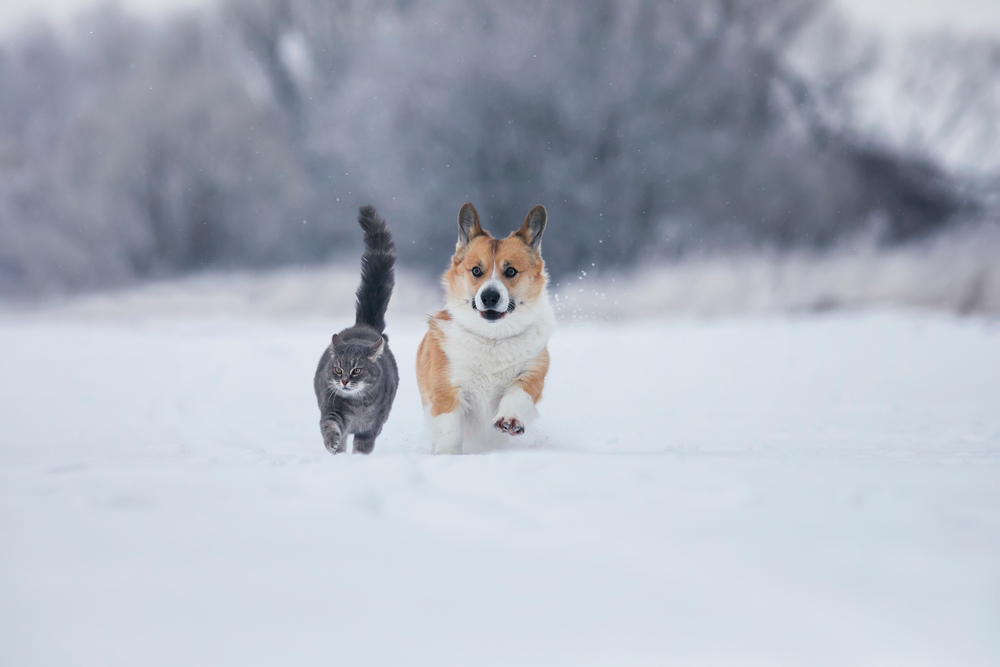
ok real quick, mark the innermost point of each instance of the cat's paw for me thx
(363, 444)
(333, 439)
(509, 425)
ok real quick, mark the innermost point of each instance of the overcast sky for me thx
(898, 17)
(15, 12)
(901, 17)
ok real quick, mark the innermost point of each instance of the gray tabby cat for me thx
(356, 378)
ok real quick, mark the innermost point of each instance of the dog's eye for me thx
(356, 371)
(338, 370)
(476, 271)
(510, 272)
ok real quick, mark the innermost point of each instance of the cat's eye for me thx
(477, 272)
(356, 371)
(338, 370)
(510, 272)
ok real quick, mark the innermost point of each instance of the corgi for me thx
(481, 366)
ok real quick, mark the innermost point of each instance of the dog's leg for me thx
(446, 432)
(517, 407)
(516, 411)
(439, 396)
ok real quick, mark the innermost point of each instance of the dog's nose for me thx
(490, 297)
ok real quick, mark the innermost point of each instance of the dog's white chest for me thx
(483, 369)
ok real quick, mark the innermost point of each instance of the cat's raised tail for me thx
(377, 278)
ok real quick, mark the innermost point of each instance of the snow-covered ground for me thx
(780, 490)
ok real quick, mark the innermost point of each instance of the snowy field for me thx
(805, 490)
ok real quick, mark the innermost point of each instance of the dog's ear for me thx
(468, 225)
(534, 225)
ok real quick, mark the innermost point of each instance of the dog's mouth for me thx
(494, 315)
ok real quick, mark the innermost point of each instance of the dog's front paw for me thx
(509, 425)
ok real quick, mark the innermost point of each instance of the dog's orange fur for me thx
(532, 380)
(433, 372)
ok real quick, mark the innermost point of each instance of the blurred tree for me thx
(649, 129)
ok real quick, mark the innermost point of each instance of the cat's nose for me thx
(490, 297)
(344, 381)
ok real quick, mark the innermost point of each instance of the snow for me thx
(958, 272)
(775, 490)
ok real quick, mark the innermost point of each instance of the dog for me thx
(481, 366)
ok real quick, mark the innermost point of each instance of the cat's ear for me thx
(375, 349)
(468, 225)
(337, 342)
(534, 225)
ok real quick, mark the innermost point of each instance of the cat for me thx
(356, 378)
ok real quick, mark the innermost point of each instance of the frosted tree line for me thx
(248, 135)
